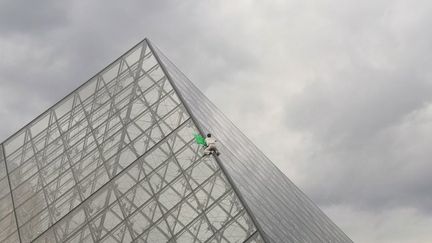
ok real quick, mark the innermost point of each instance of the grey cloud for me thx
(29, 17)
(354, 106)
(352, 77)
(368, 150)
(365, 108)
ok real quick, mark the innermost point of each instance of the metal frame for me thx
(76, 170)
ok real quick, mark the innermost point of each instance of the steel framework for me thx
(115, 161)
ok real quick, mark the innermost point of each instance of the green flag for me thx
(200, 140)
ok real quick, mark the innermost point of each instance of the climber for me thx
(211, 145)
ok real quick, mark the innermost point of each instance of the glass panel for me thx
(27, 189)
(93, 182)
(199, 231)
(32, 207)
(71, 224)
(99, 201)
(4, 186)
(41, 124)
(145, 82)
(5, 205)
(156, 73)
(64, 107)
(170, 197)
(7, 226)
(47, 237)
(144, 218)
(110, 72)
(183, 214)
(160, 233)
(60, 186)
(106, 221)
(35, 226)
(149, 63)
(14, 143)
(134, 56)
(88, 89)
(136, 197)
(87, 165)
(65, 204)
(120, 234)
(12, 238)
(55, 169)
(83, 236)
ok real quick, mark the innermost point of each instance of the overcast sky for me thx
(338, 93)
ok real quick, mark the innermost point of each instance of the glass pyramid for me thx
(116, 161)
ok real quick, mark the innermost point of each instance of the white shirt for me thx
(210, 140)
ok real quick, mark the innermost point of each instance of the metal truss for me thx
(115, 161)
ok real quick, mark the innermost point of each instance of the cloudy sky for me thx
(345, 85)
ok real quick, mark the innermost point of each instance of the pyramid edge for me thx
(198, 125)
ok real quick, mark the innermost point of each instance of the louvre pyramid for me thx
(115, 161)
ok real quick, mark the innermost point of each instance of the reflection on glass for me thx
(115, 161)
